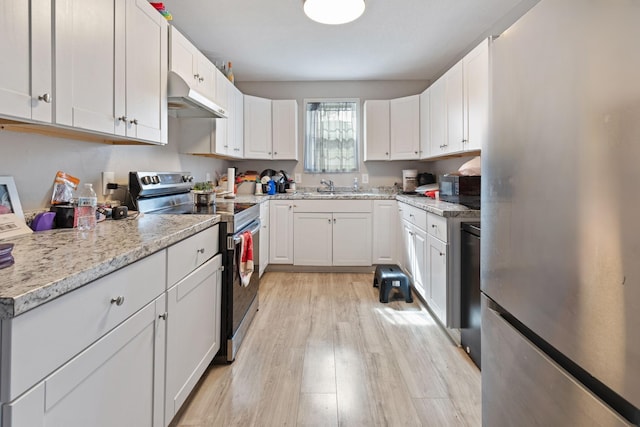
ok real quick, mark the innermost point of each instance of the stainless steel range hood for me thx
(184, 101)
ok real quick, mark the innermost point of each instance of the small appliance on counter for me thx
(464, 190)
(409, 180)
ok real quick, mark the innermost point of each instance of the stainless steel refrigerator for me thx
(560, 267)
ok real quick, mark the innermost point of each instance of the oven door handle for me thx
(253, 228)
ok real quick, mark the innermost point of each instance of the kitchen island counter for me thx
(51, 263)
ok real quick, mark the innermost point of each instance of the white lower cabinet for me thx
(281, 232)
(436, 269)
(120, 351)
(332, 233)
(385, 232)
(193, 331)
(115, 382)
(264, 237)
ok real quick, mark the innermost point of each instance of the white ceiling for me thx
(272, 40)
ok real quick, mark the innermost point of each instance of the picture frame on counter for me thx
(9, 200)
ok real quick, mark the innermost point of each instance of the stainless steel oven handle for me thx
(253, 228)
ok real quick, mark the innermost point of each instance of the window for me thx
(331, 136)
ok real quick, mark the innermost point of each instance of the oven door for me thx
(244, 299)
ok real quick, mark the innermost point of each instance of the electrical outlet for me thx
(365, 178)
(107, 177)
(298, 178)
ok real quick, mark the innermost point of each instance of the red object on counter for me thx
(431, 194)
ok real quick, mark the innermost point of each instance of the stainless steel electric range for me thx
(169, 193)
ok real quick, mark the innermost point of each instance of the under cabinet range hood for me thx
(185, 101)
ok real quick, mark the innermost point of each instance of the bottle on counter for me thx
(230, 74)
(87, 203)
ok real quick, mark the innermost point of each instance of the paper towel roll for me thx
(231, 179)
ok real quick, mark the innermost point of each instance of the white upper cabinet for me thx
(25, 63)
(143, 98)
(459, 104)
(405, 128)
(425, 124)
(235, 122)
(284, 125)
(392, 129)
(376, 130)
(438, 118)
(85, 76)
(455, 105)
(190, 64)
(270, 128)
(476, 96)
(257, 128)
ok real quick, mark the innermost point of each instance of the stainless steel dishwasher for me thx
(470, 290)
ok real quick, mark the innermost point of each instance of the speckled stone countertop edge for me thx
(12, 306)
(438, 207)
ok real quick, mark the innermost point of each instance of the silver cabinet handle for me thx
(275, 153)
(200, 251)
(163, 316)
(122, 118)
(441, 254)
(290, 207)
(416, 152)
(134, 121)
(269, 153)
(334, 220)
(201, 79)
(329, 221)
(119, 300)
(46, 98)
(386, 154)
(196, 76)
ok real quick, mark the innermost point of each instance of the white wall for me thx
(380, 173)
(33, 161)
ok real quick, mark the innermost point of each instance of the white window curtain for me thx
(331, 137)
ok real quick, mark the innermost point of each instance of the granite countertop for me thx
(51, 263)
(437, 207)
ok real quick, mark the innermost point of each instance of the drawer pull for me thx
(119, 300)
(201, 250)
(434, 226)
(163, 316)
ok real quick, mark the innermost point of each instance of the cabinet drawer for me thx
(413, 215)
(191, 253)
(437, 226)
(39, 341)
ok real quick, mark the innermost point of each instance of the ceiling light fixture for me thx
(333, 12)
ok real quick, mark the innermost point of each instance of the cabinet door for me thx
(420, 278)
(264, 236)
(285, 129)
(385, 232)
(438, 118)
(281, 232)
(193, 331)
(408, 248)
(182, 59)
(476, 96)
(222, 142)
(455, 111)
(425, 124)
(237, 122)
(312, 238)
(437, 271)
(206, 75)
(114, 382)
(25, 63)
(352, 238)
(405, 127)
(84, 78)
(376, 130)
(146, 66)
(257, 128)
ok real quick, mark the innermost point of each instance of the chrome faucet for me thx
(328, 184)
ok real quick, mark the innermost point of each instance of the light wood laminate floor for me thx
(323, 351)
